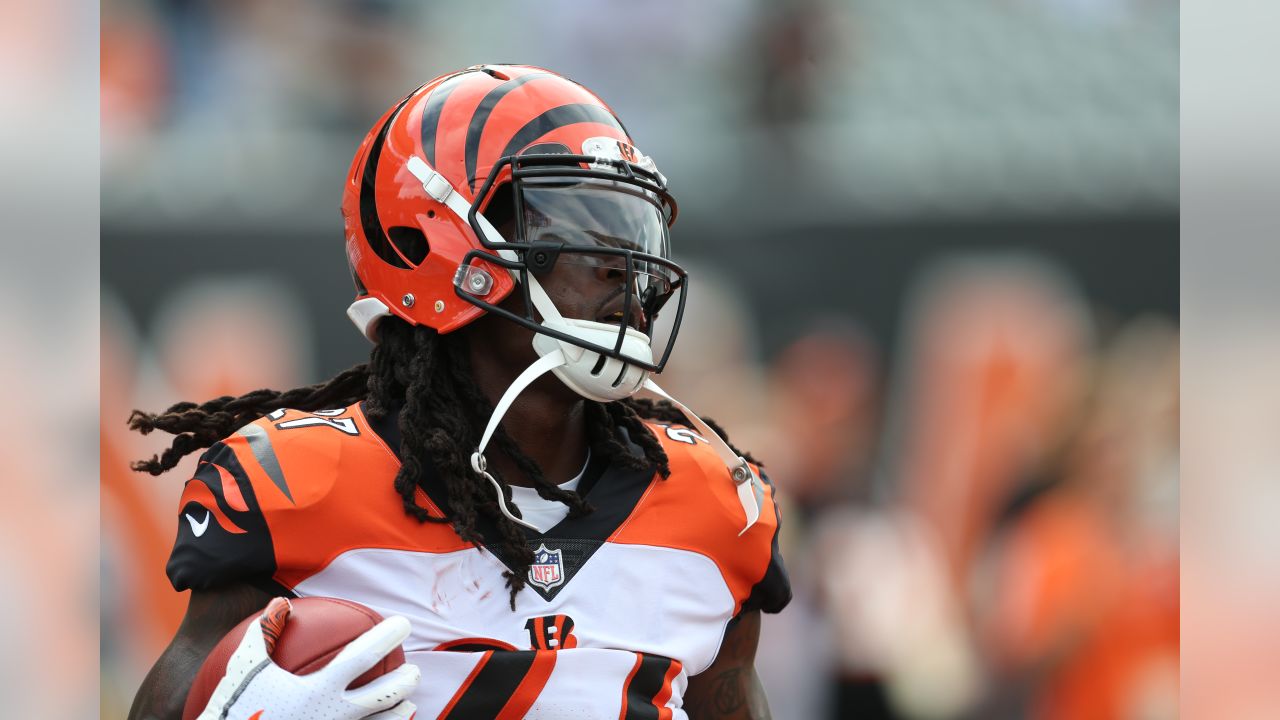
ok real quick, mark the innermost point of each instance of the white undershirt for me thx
(540, 513)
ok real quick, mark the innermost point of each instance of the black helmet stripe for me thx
(558, 118)
(481, 117)
(369, 222)
(431, 115)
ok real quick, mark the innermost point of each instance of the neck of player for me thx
(546, 421)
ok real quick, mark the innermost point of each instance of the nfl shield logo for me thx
(547, 570)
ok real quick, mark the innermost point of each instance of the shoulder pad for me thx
(296, 453)
(700, 511)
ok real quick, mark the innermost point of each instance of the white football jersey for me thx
(621, 605)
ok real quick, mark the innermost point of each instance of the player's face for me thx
(595, 291)
(587, 279)
(591, 221)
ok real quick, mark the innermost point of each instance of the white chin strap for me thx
(577, 367)
(526, 378)
(750, 489)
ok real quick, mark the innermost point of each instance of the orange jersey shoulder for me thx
(300, 460)
(697, 509)
(315, 484)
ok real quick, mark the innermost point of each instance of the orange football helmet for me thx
(429, 189)
(467, 137)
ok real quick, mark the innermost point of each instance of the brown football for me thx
(317, 629)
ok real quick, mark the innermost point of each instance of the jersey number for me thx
(684, 435)
(325, 418)
(507, 682)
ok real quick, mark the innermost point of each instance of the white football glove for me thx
(255, 688)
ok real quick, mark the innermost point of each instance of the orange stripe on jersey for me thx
(199, 493)
(544, 661)
(697, 509)
(664, 695)
(230, 490)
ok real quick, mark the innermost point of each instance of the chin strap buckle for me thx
(480, 465)
(432, 181)
(750, 492)
(478, 461)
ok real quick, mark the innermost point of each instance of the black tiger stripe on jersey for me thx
(649, 680)
(265, 454)
(490, 688)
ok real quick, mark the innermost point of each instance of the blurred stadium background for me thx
(934, 250)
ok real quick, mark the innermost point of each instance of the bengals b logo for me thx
(551, 632)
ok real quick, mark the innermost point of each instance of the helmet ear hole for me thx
(411, 242)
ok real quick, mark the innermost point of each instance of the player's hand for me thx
(255, 688)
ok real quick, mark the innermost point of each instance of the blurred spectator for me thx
(824, 390)
(140, 609)
(993, 368)
(135, 72)
(223, 335)
(1080, 601)
(715, 366)
(826, 394)
(630, 53)
(365, 44)
(48, 521)
(902, 646)
(998, 350)
(252, 63)
(790, 46)
(213, 338)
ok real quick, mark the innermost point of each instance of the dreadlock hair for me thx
(442, 415)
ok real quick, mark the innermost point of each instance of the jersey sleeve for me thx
(772, 592)
(223, 535)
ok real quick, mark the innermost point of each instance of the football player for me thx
(559, 547)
